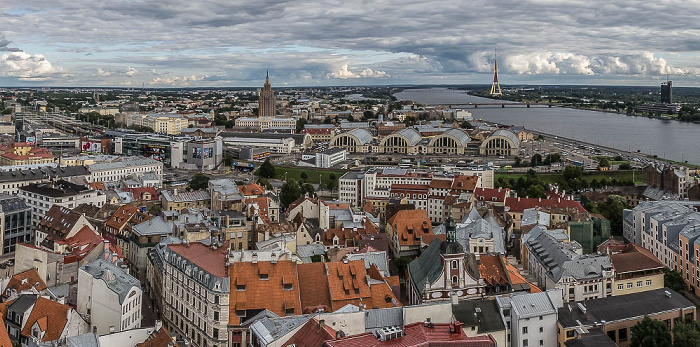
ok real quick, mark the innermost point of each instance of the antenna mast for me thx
(495, 86)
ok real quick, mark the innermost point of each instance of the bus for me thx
(577, 163)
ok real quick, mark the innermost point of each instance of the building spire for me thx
(495, 86)
(450, 228)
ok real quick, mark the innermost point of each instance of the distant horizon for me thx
(504, 86)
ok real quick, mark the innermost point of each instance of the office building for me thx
(667, 92)
(15, 223)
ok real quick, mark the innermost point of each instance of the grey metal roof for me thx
(42, 173)
(475, 227)
(532, 305)
(270, 329)
(11, 203)
(305, 252)
(549, 251)
(383, 317)
(23, 303)
(410, 134)
(153, 226)
(507, 134)
(378, 258)
(583, 267)
(116, 279)
(427, 267)
(224, 186)
(84, 340)
(126, 162)
(458, 134)
(363, 136)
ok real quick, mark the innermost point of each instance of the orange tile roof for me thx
(262, 205)
(25, 280)
(441, 184)
(139, 192)
(160, 338)
(634, 258)
(211, 260)
(492, 271)
(251, 189)
(82, 243)
(51, 317)
(3, 307)
(313, 289)
(97, 186)
(520, 204)
(467, 183)
(410, 226)
(381, 297)
(123, 219)
(4, 337)
(491, 194)
(277, 292)
(337, 205)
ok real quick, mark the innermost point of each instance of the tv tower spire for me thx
(495, 86)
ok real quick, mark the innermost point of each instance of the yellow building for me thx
(179, 200)
(163, 123)
(24, 153)
(636, 270)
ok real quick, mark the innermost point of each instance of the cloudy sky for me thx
(360, 42)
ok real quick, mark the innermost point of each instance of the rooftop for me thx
(114, 277)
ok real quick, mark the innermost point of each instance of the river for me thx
(673, 140)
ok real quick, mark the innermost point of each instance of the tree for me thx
(536, 160)
(263, 182)
(686, 334)
(603, 162)
(625, 166)
(308, 189)
(327, 120)
(674, 280)
(518, 161)
(572, 172)
(535, 191)
(367, 115)
(530, 173)
(619, 158)
(266, 169)
(304, 176)
(228, 160)
(301, 122)
(466, 125)
(650, 333)
(199, 181)
(290, 192)
(155, 210)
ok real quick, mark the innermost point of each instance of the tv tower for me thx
(495, 86)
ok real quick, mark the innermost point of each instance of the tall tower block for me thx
(495, 86)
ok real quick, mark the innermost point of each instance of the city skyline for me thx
(318, 43)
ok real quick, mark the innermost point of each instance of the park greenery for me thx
(199, 181)
(655, 333)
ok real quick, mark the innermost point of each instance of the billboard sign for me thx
(91, 146)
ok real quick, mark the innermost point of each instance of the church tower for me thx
(267, 106)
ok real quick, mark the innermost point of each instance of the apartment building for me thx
(163, 123)
(42, 196)
(128, 167)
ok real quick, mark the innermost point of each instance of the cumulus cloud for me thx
(26, 67)
(176, 80)
(344, 73)
(103, 73)
(382, 39)
(130, 72)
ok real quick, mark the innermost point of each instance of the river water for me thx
(668, 139)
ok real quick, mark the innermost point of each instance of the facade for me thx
(531, 318)
(273, 142)
(204, 154)
(262, 123)
(24, 153)
(442, 271)
(636, 270)
(500, 143)
(162, 123)
(330, 157)
(557, 263)
(404, 141)
(40, 197)
(451, 142)
(267, 105)
(196, 293)
(128, 167)
(109, 296)
(353, 141)
(170, 150)
(15, 223)
(177, 200)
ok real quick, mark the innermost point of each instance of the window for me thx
(648, 283)
(639, 284)
(569, 334)
(454, 264)
(455, 279)
(216, 333)
(629, 285)
(620, 286)
(524, 330)
(541, 329)
(541, 317)
(525, 343)
(216, 316)
(506, 313)
(622, 335)
(541, 342)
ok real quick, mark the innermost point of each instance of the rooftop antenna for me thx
(495, 86)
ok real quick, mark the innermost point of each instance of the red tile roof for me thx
(417, 334)
(465, 183)
(51, 318)
(251, 189)
(492, 270)
(4, 337)
(81, 244)
(491, 194)
(348, 284)
(634, 258)
(211, 260)
(520, 204)
(139, 193)
(311, 334)
(123, 219)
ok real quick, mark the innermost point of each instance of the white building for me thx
(196, 293)
(109, 296)
(531, 318)
(264, 123)
(275, 145)
(331, 157)
(41, 196)
(128, 167)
